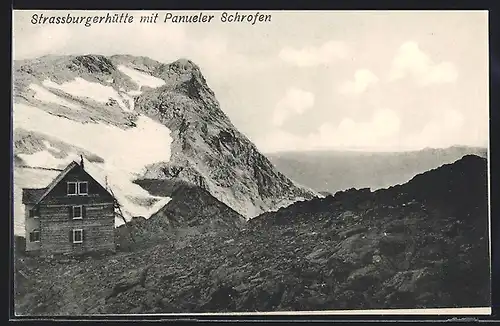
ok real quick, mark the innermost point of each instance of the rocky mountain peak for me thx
(93, 64)
(206, 149)
(185, 66)
(233, 165)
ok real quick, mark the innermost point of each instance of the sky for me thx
(315, 80)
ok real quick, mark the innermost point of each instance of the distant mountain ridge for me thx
(332, 171)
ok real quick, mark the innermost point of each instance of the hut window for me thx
(77, 236)
(78, 188)
(77, 212)
(83, 188)
(72, 188)
(35, 236)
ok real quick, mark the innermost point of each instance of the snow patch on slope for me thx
(140, 78)
(133, 148)
(125, 191)
(125, 152)
(134, 93)
(80, 87)
(45, 95)
(43, 159)
(49, 146)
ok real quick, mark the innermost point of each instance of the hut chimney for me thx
(81, 160)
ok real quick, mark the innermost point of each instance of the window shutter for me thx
(31, 236)
(83, 235)
(84, 212)
(71, 236)
(70, 212)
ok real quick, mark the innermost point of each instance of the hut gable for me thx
(72, 182)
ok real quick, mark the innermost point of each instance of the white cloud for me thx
(411, 60)
(381, 132)
(363, 78)
(314, 56)
(215, 55)
(444, 130)
(382, 129)
(295, 102)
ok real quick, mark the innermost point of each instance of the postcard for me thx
(250, 162)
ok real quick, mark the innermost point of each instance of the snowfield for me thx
(131, 148)
(43, 159)
(125, 191)
(49, 146)
(125, 152)
(140, 78)
(45, 95)
(134, 93)
(80, 87)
